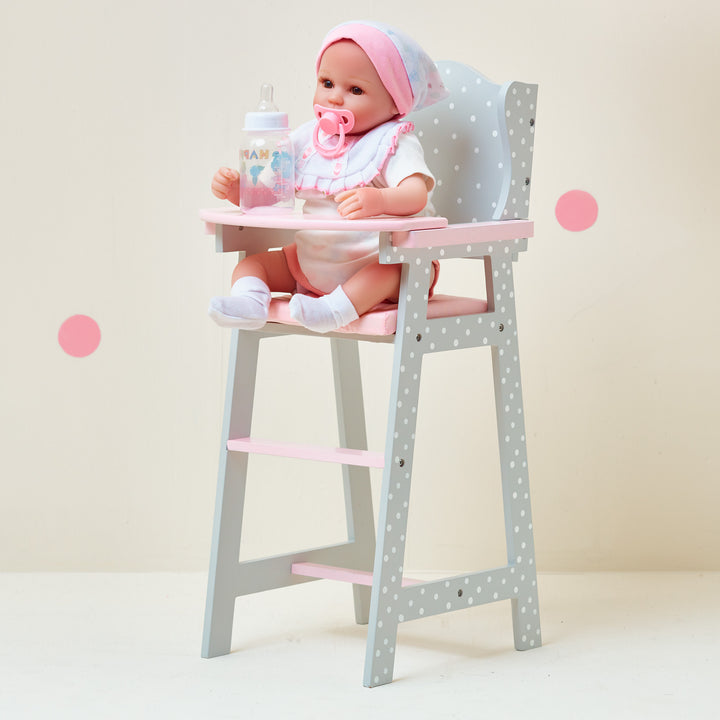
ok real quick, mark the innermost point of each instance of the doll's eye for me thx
(355, 90)
(327, 84)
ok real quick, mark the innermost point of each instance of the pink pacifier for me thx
(332, 122)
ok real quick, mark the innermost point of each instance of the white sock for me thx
(247, 306)
(325, 313)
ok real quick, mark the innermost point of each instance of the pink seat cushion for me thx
(382, 319)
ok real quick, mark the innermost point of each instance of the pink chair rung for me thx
(343, 456)
(327, 572)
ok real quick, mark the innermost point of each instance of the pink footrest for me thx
(328, 572)
(344, 456)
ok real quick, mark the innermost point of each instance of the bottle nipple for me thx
(267, 116)
(266, 103)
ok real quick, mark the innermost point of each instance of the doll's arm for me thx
(408, 198)
(226, 185)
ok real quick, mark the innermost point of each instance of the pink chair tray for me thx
(298, 221)
(382, 319)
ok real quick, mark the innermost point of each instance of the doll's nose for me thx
(335, 98)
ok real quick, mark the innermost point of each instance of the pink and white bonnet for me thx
(405, 69)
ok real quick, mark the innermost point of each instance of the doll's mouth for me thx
(332, 122)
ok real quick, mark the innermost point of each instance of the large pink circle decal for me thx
(79, 336)
(576, 210)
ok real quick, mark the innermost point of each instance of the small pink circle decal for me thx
(576, 210)
(79, 336)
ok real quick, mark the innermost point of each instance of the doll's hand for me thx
(360, 203)
(408, 198)
(226, 185)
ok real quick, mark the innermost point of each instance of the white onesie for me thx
(382, 157)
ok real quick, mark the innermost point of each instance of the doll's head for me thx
(403, 68)
(348, 81)
(376, 72)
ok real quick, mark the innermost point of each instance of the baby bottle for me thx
(267, 159)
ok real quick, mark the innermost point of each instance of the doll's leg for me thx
(254, 278)
(368, 287)
(270, 267)
(373, 284)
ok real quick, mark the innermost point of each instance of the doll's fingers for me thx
(357, 214)
(349, 200)
(219, 190)
(344, 195)
(353, 209)
(225, 178)
(353, 199)
(349, 206)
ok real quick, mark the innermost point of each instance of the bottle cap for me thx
(267, 116)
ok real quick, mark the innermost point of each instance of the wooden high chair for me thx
(479, 145)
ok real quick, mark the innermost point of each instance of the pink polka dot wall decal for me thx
(576, 210)
(79, 336)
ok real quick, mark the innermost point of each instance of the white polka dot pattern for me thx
(418, 336)
(520, 104)
(479, 145)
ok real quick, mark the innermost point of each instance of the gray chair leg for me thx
(386, 608)
(513, 460)
(356, 480)
(227, 525)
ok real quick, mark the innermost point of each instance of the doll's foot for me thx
(227, 312)
(325, 313)
(246, 308)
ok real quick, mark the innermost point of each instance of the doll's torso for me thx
(381, 158)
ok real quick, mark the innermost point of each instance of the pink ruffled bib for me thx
(359, 165)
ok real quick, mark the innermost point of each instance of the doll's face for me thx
(347, 79)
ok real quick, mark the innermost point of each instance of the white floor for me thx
(127, 646)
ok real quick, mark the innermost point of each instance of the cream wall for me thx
(114, 117)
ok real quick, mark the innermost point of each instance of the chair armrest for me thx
(466, 234)
(455, 241)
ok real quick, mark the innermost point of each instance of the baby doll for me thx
(356, 159)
